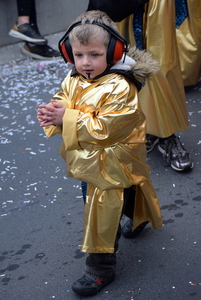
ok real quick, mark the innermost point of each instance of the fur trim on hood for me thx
(145, 65)
(140, 63)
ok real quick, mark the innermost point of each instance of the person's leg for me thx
(100, 271)
(152, 140)
(129, 204)
(103, 264)
(27, 13)
(26, 27)
(27, 30)
(84, 190)
(33, 13)
(24, 10)
(100, 267)
(172, 148)
(165, 109)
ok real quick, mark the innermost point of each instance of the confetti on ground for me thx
(28, 170)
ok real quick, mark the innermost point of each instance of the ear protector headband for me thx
(116, 47)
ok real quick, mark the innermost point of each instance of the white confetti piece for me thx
(6, 162)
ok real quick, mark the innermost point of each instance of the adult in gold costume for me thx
(103, 128)
(163, 98)
(189, 43)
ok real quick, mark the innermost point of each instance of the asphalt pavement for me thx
(41, 212)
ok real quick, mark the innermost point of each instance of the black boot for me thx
(127, 229)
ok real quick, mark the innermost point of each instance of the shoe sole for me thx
(180, 170)
(36, 56)
(91, 293)
(172, 166)
(154, 144)
(23, 37)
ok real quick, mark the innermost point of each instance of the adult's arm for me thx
(117, 10)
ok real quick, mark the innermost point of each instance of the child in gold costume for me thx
(163, 100)
(99, 116)
(188, 33)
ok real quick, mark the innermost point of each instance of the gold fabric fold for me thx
(163, 98)
(189, 43)
(108, 152)
(103, 210)
(69, 126)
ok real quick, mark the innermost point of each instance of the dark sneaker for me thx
(127, 229)
(152, 140)
(27, 32)
(42, 52)
(177, 156)
(89, 285)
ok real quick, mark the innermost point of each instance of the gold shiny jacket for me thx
(103, 127)
(103, 135)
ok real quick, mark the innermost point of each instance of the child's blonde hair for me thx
(87, 31)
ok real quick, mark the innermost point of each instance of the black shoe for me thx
(172, 149)
(27, 32)
(127, 229)
(89, 285)
(152, 140)
(42, 52)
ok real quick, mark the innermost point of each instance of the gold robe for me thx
(189, 43)
(103, 135)
(163, 98)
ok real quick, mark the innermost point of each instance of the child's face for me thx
(90, 60)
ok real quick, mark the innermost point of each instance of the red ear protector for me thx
(117, 44)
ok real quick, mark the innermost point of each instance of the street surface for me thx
(41, 212)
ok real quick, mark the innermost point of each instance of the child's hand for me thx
(50, 114)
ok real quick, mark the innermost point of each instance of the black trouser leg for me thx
(129, 202)
(103, 264)
(27, 8)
